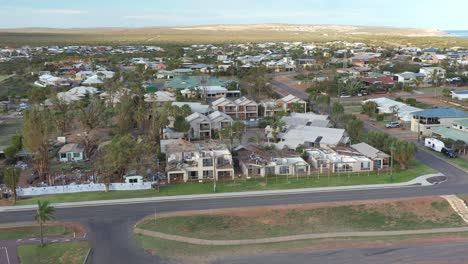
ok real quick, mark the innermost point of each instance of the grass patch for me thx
(176, 249)
(8, 129)
(353, 109)
(272, 183)
(31, 231)
(57, 253)
(251, 224)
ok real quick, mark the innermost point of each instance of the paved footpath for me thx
(419, 181)
(8, 248)
(205, 242)
(458, 205)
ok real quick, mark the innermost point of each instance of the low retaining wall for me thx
(92, 187)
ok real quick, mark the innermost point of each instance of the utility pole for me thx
(391, 163)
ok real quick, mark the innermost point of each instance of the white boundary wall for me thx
(92, 187)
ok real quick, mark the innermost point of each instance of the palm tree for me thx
(44, 213)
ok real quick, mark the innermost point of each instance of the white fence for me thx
(92, 187)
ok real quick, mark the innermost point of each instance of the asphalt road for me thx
(413, 254)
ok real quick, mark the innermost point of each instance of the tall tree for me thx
(336, 111)
(239, 130)
(90, 114)
(125, 115)
(355, 128)
(124, 153)
(45, 212)
(404, 152)
(38, 128)
(181, 125)
(11, 178)
(370, 108)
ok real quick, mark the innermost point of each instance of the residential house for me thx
(425, 121)
(308, 136)
(77, 93)
(380, 159)
(460, 95)
(328, 160)
(202, 126)
(458, 131)
(408, 77)
(210, 92)
(50, 80)
(196, 107)
(255, 161)
(188, 161)
(430, 71)
(389, 106)
(188, 82)
(160, 98)
(287, 103)
(241, 108)
(71, 152)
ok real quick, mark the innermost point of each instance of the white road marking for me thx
(6, 253)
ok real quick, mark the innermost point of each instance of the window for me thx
(63, 155)
(207, 174)
(133, 180)
(365, 165)
(269, 170)
(301, 169)
(207, 162)
(193, 175)
(76, 154)
(284, 170)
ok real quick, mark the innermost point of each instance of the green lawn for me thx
(401, 215)
(272, 183)
(190, 252)
(353, 109)
(31, 231)
(56, 253)
(9, 129)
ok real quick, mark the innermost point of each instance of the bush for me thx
(411, 101)
(380, 117)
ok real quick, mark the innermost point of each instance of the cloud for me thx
(59, 11)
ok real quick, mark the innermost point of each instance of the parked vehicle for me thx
(434, 144)
(439, 146)
(392, 125)
(345, 95)
(449, 152)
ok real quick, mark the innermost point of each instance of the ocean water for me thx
(457, 33)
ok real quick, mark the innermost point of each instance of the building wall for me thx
(98, 187)
(427, 129)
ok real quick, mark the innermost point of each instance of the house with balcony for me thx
(188, 161)
(425, 121)
(202, 126)
(288, 103)
(255, 161)
(328, 160)
(241, 108)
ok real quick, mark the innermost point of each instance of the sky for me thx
(448, 14)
